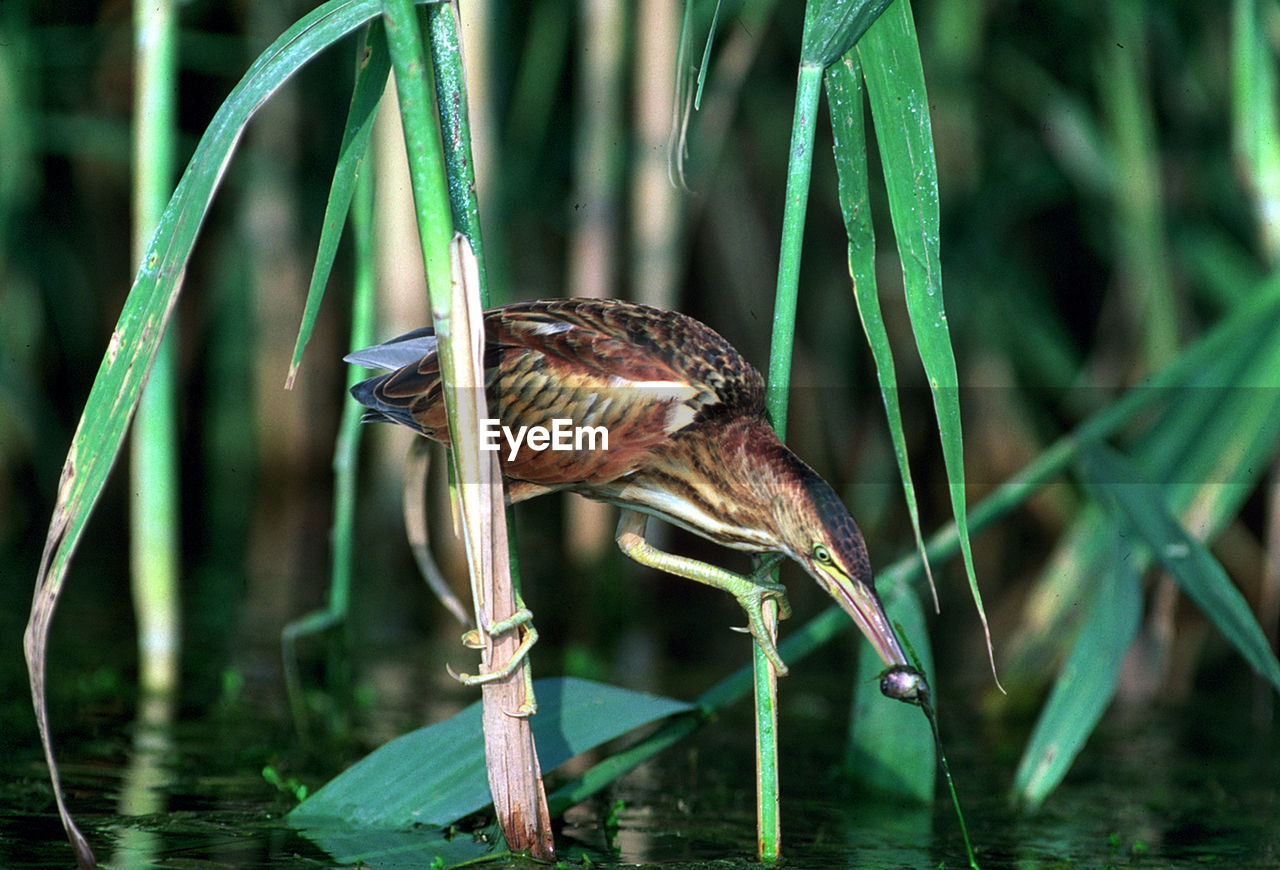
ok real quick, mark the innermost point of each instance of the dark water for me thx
(1184, 788)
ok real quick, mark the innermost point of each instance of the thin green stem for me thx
(154, 545)
(799, 169)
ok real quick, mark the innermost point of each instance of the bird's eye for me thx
(822, 555)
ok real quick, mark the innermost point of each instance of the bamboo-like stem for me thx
(154, 546)
(451, 98)
(799, 168)
(464, 202)
(514, 777)
(347, 444)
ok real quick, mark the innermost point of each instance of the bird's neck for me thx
(779, 480)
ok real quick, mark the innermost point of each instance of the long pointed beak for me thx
(861, 602)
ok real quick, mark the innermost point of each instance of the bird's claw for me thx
(472, 639)
(753, 603)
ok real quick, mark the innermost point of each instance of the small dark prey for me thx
(688, 442)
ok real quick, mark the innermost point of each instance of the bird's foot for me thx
(522, 620)
(752, 601)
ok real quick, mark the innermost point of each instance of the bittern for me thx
(685, 438)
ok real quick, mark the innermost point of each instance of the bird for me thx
(678, 430)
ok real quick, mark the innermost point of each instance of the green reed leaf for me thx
(371, 79)
(832, 27)
(1086, 683)
(436, 775)
(844, 98)
(894, 75)
(1142, 507)
(133, 344)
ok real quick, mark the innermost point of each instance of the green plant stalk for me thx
(799, 170)
(1146, 280)
(945, 543)
(1255, 118)
(154, 546)
(514, 777)
(451, 98)
(347, 445)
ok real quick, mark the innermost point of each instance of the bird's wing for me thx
(607, 382)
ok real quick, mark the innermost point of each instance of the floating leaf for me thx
(436, 775)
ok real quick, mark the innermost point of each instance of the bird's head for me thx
(818, 532)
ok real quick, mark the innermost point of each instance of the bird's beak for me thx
(861, 602)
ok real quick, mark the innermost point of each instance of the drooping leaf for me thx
(844, 97)
(890, 55)
(371, 80)
(133, 344)
(436, 775)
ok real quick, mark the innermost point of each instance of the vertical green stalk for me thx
(1256, 120)
(460, 165)
(154, 545)
(350, 193)
(514, 778)
(451, 97)
(347, 444)
(799, 167)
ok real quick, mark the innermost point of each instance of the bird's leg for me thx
(751, 592)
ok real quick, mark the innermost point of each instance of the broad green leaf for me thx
(890, 745)
(1086, 683)
(844, 97)
(891, 64)
(1142, 507)
(371, 80)
(832, 27)
(436, 775)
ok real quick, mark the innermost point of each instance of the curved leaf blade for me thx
(894, 75)
(132, 348)
(1142, 506)
(832, 27)
(844, 97)
(371, 79)
(1085, 685)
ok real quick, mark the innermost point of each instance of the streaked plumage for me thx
(689, 440)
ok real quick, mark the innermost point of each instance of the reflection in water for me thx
(147, 780)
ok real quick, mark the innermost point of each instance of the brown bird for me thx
(659, 415)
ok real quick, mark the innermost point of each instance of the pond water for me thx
(1154, 789)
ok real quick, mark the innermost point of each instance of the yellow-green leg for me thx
(750, 592)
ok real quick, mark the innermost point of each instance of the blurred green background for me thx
(1109, 190)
